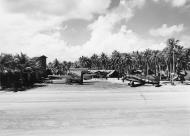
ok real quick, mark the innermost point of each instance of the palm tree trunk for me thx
(147, 68)
(170, 71)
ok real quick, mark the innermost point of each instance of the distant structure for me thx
(78, 73)
(105, 73)
(40, 63)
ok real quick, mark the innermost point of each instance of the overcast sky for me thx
(68, 29)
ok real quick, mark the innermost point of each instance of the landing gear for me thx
(158, 84)
(131, 84)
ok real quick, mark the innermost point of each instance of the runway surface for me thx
(97, 108)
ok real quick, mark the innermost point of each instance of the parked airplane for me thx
(137, 79)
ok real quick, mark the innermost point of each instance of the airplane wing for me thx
(141, 79)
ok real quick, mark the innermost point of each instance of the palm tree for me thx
(116, 61)
(154, 61)
(55, 66)
(75, 64)
(95, 61)
(186, 59)
(126, 63)
(7, 61)
(66, 66)
(22, 61)
(104, 60)
(85, 62)
(147, 55)
(172, 45)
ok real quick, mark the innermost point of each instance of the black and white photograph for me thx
(94, 67)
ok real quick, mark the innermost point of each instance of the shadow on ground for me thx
(23, 88)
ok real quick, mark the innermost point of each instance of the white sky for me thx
(67, 29)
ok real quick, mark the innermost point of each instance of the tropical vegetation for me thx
(171, 59)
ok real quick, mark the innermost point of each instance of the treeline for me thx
(171, 59)
(19, 72)
(18, 62)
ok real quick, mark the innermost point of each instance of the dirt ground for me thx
(97, 108)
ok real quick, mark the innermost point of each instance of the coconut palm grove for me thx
(171, 59)
(20, 71)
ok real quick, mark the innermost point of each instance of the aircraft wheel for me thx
(157, 85)
(132, 84)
